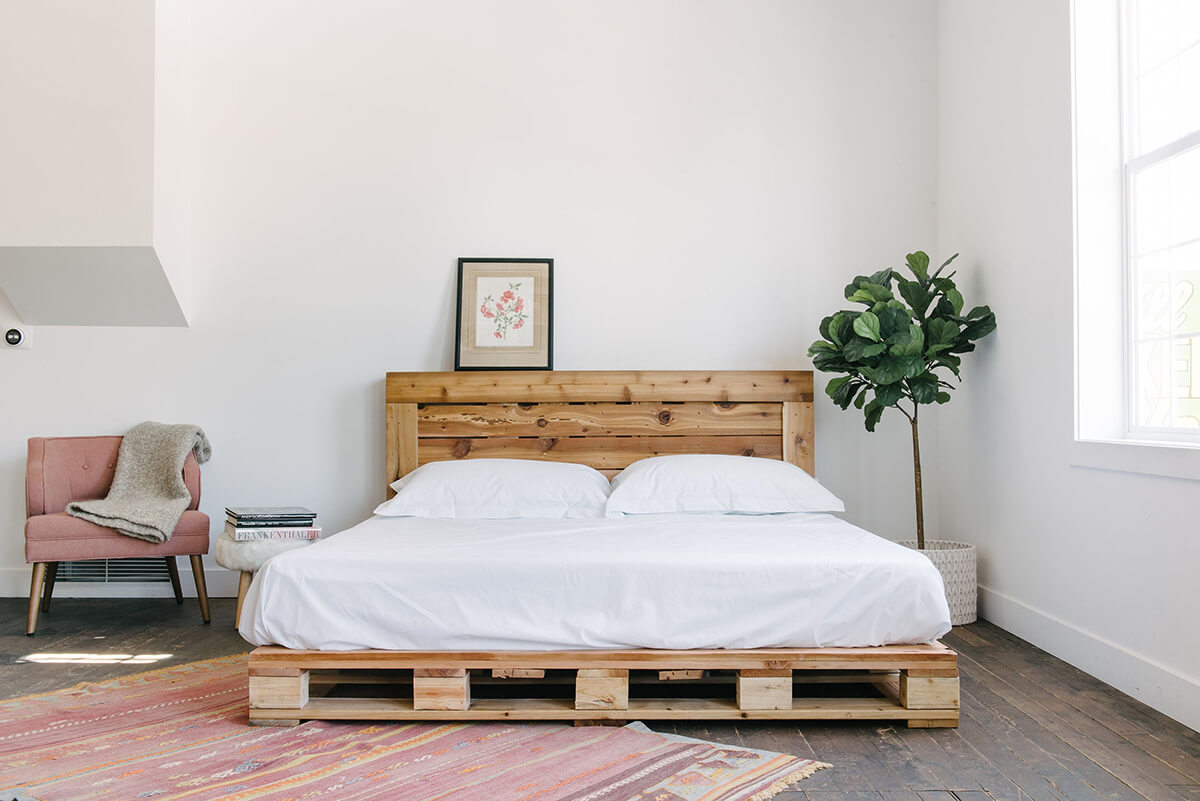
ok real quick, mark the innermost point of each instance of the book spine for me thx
(238, 522)
(247, 534)
(267, 518)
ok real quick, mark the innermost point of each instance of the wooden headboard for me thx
(605, 419)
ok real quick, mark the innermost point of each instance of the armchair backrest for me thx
(64, 469)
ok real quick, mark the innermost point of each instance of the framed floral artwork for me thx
(505, 314)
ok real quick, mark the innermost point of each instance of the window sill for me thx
(1170, 459)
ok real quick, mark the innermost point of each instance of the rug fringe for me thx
(787, 781)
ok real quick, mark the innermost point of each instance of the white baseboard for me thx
(1153, 683)
(221, 583)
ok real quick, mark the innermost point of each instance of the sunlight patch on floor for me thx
(95, 659)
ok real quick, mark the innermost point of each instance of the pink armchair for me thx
(64, 469)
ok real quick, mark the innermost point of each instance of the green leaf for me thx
(913, 365)
(943, 397)
(956, 299)
(824, 327)
(915, 295)
(873, 412)
(889, 370)
(845, 325)
(895, 310)
(883, 277)
(917, 346)
(874, 349)
(949, 361)
(862, 396)
(835, 325)
(908, 342)
(977, 312)
(832, 363)
(867, 325)
(893, 368)
(879, 292)
(893, 319)
(845, 393)
(887, 318)
(868, 290)
(821, 346)
(859, 349)
(919, 263)
(977, 329)
(889, 394)
(924, 387)
(834, 385)
(899, 342)
(943, 308)
(942, 331)
(854, 349)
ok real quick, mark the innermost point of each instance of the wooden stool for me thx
(247, 557)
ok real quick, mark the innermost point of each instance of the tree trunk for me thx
(917, 481)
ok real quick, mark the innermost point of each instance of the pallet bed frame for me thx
(607, 420)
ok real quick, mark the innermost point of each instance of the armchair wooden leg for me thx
(35, 591)
(48, 592)
(173, 570)
(201, 589)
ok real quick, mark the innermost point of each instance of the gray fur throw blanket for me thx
(148, 495)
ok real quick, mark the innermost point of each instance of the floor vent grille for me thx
(111, 571)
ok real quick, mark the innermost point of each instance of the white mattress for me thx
(654, 581)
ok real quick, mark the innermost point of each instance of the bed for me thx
(795, 616)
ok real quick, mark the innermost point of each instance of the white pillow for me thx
(499, 488)
(717, 484)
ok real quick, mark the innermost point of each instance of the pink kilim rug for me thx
(181, 733)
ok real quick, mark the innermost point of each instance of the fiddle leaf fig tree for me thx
(898, 352)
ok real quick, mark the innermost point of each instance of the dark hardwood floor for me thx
(1032, 726)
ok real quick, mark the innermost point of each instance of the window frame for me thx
(1131, 166)
(1101, 437)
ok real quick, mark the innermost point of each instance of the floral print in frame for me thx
(504, 314)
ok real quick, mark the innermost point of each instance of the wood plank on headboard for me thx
(602, 453)
(605, 419)
(593, 419)
(518, 386)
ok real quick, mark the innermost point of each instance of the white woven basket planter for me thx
(956, 562)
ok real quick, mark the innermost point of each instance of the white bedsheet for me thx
(655, 581)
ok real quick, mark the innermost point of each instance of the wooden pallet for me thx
(914, 683)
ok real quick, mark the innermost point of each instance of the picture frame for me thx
(504, 317)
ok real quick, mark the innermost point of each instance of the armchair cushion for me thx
(59, 537)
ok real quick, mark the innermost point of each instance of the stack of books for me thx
(245, 523)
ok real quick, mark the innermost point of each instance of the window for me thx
(1160, 140)
(1136, 128)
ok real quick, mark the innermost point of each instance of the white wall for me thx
(94, 208)
(173, 145)
(68, 67)
(707, 176)
(1095, 566)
